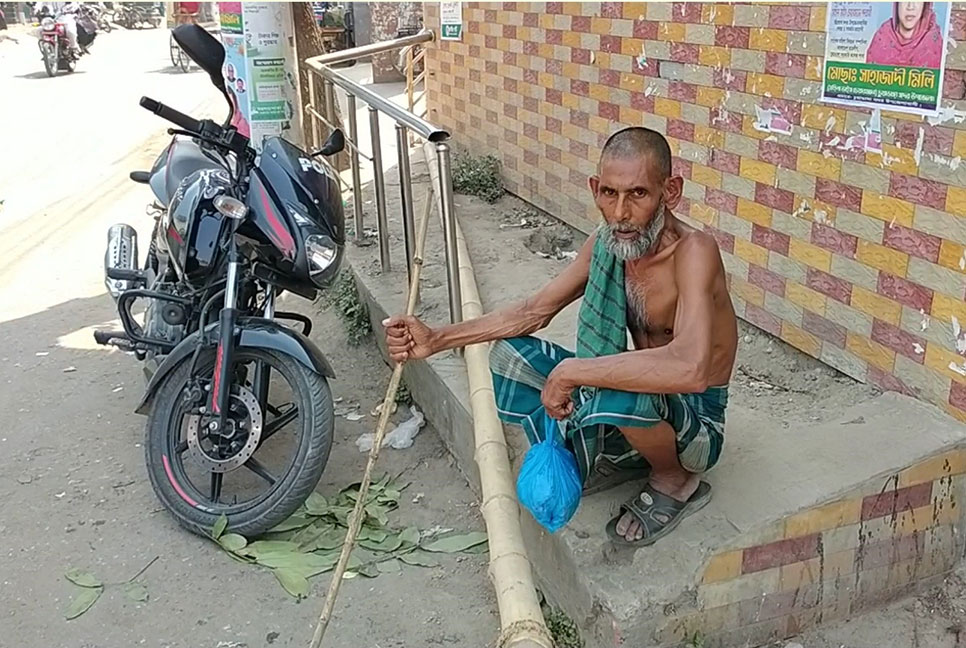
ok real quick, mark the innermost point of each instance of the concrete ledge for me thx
(810, 522)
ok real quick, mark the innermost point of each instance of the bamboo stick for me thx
(355, 522)
(521, 619)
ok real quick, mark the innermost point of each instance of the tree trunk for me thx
(308, 43)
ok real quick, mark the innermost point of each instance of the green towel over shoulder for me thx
(602, 321)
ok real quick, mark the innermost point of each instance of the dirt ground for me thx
(74, 494)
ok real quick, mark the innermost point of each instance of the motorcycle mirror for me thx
(204, 49)
(334, 143)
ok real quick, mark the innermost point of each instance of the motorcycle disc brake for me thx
(247, 401)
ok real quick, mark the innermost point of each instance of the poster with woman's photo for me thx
(888, 55)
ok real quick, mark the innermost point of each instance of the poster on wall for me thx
(888, 55)
(451, 20)
(259, 67)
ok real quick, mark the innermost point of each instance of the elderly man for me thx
(655, 413)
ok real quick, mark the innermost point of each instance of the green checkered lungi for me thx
(520, 367)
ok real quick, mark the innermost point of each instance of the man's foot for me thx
(650, 516)
(605, 475)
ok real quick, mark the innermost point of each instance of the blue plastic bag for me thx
(549, 481)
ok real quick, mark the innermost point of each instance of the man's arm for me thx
(683, 365)
(407, 337)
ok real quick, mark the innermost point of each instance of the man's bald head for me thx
(637, 142)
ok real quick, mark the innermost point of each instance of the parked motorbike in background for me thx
(240, 416)
(100, 15)
(137, 15)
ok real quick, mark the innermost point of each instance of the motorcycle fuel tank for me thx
(191, 227)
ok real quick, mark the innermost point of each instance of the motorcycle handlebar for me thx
(172, 115)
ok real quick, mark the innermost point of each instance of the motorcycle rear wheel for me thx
(167, 454)
(50, 56)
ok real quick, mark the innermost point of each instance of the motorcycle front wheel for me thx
(262, 466)
(49, 53)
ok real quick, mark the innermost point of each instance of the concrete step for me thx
(809, 522)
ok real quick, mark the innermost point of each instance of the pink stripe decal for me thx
(282, 237)
(177, 486)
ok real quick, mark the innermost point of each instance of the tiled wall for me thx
(853, 257)
(827, 563)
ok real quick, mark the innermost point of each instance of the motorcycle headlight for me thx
(47, 24)
(321, 252)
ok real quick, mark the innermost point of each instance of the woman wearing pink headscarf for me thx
(911, 37)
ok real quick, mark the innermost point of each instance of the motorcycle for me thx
(233, 387)
(55, 50)
(99, 14)
(136, 15)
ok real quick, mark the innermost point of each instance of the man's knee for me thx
(502, 354)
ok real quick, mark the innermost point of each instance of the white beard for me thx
(628, 250)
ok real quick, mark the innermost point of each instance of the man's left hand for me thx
(557, 391)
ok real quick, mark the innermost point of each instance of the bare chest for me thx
(651, 305)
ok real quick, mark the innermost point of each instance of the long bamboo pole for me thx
(355, 522)
(521, 620)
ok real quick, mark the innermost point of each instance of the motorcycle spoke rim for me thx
(265, 470)
(256, 467)
(215, 489)
(280, 421)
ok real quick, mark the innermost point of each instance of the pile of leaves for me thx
(478, 176)
(309, 542)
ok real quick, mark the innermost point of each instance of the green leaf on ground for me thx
(456, 543)
(270, 546)
(306, 564)
(478, 549)
(82, 577)
(410, 536)
(316, 505)
(220, 525)
(136, 592)
(232, 542)
(378, 513)
(293, 582)
(331, 539)
(391, 543)
(81, 603)
(419, 559)
(291, 523)
(307, 537)
(375, 535)
(391, 566)
(391, 495)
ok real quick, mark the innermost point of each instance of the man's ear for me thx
(673, 188)
(594, 183)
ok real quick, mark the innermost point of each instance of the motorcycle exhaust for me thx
(122, 253)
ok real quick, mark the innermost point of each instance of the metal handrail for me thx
(364, 51)
(416, 124)
(407, 122)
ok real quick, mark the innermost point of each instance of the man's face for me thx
(630, 194)
(909, 14)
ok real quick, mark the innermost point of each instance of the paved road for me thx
(73, 489)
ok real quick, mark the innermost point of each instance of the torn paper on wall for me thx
(873, 133)
(770, 120)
